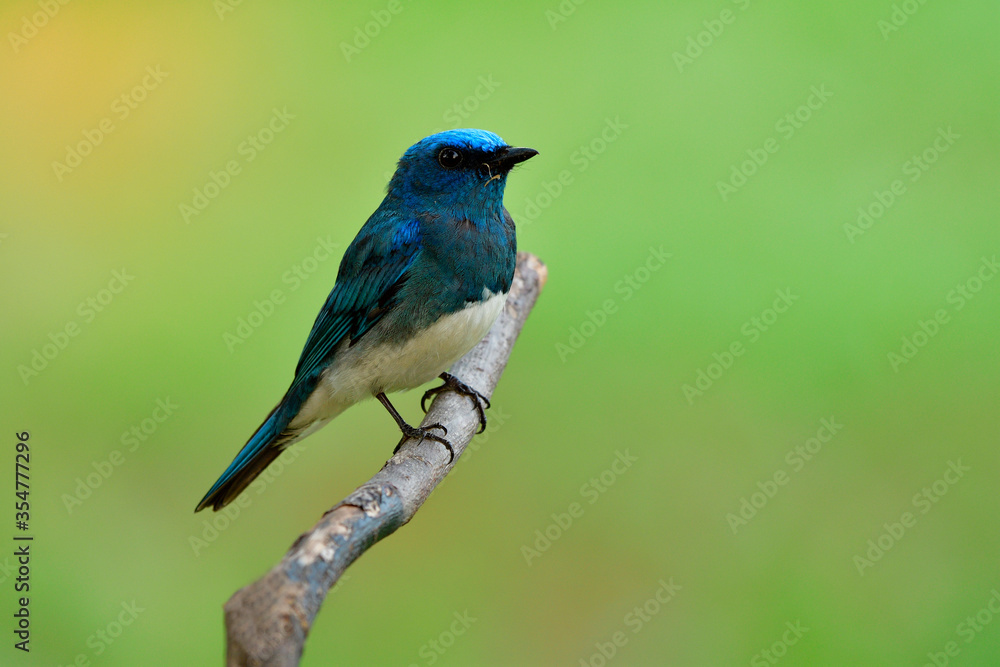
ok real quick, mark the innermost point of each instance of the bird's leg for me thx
(453, 383)
(415, 432)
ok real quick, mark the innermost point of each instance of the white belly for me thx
(362, 371)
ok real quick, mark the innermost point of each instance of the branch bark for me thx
(267, 622)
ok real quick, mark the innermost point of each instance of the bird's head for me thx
(457, 170)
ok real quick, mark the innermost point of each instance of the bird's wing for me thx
(371, 274)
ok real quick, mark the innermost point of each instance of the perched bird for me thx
(419, 286)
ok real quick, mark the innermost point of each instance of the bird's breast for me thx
(371, 367)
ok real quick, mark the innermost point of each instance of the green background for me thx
(559, 416)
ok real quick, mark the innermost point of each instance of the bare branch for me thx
(267, 621)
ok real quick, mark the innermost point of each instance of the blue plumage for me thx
(420, 284)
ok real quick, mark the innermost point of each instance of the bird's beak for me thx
(507, 157)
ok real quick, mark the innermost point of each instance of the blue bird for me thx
(420, 285)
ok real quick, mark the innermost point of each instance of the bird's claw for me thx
(454, 384)
(424, 433)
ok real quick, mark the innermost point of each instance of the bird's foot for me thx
(454, 384)
(425, 434)
(410, 432)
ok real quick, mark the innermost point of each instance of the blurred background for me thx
(753, 417)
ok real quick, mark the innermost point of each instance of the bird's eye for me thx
(450, 158)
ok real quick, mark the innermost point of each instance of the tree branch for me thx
(267, 621)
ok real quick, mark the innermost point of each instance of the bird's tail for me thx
(264, 446)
